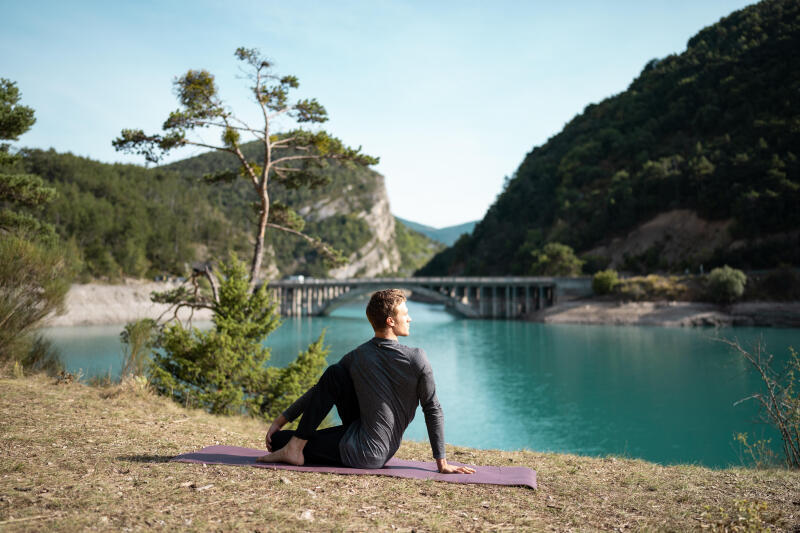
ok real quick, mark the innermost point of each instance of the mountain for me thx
(128, 220)
(448, 235)
(695, 163)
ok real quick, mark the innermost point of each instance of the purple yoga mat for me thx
(493, 475)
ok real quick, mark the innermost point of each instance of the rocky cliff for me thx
(351, 212)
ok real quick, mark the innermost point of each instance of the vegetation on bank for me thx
(77, 457)
(35, 266)
(722, 285)
(713, 130)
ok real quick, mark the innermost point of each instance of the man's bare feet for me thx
(292, 453)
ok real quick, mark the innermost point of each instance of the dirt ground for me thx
(78, 458)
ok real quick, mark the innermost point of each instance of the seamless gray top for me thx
(390, 380)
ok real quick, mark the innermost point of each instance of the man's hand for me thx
(445, 468)
(276, 425)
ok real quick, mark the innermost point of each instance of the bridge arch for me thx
(355, 293)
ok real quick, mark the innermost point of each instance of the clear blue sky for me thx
(450, 95)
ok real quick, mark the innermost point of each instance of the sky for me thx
(450, 95)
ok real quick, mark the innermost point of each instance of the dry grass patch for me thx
(77, 458)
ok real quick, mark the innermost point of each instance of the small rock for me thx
(308, 514)
(204, 487)
(285, 481)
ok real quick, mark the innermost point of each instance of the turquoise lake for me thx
(662, 394)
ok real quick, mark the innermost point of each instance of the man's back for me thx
(390, 380)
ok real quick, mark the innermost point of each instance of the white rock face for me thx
(380, 254)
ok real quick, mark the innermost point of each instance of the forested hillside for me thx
(712, 134)
(128, 220)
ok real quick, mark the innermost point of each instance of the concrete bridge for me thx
(478, 297)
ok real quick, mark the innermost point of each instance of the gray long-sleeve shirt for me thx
(390, 380)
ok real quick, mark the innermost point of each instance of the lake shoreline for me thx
(95, 304)
(671, 314)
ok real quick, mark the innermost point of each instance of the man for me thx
(376, 389)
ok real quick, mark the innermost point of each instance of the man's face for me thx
(400, 321)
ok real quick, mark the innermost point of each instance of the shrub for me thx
(34, 277)
(224, 369)
(604, 281)
(555, 259)
(138, 339)
(726, 284)
(655, 287)
(779, 402)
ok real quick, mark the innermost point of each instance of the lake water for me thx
(660, 394)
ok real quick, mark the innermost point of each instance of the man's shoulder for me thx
(416, 355)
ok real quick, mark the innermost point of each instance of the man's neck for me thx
(386, 334)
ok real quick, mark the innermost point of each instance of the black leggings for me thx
(334, 388)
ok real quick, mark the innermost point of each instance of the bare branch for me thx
(281, 142)
(296, 158)
(204, 145)
(328, 250)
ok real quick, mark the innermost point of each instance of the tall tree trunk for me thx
(258, 253)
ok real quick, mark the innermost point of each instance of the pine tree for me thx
(224, 369)
(35, 274)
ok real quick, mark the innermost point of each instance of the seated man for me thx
(376, 389)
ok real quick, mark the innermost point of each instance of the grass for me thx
(76, 457)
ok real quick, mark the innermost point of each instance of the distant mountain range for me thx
(448, 235)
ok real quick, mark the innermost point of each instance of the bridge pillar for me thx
(514, 310)
(527, 299)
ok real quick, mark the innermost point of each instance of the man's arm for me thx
(434, 419)
(291, 412)
(276, 425)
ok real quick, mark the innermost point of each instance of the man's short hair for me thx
(382, 305)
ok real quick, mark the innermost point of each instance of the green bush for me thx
(224, 369)
(138, 340)
(555, 259)
(726, 284)
(34, 277)
(604, 281)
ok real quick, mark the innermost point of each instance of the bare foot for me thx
(292, 453)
